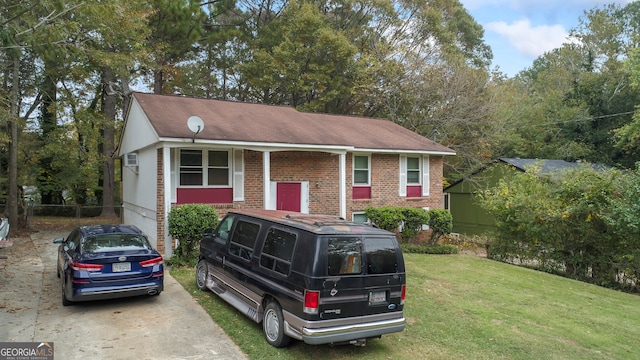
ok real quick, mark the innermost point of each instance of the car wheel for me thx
(202, 273)
(65, 301)
(58, 270)
(273, 326)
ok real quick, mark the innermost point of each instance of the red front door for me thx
(288, 196)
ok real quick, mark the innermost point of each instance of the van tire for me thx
(273, 326)
(202, 273)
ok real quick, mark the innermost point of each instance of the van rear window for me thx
(345, 256)
(353, 255)
(381, 255)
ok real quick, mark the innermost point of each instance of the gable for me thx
(138, 132)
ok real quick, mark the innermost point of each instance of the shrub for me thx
(429, 249)
(392, 218)
(440, 222)
(187, 223)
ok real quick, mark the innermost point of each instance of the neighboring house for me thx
(179, 150)
(468, 216)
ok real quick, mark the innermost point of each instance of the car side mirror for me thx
(58, 240)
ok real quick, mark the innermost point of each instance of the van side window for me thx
(243, 239)
(278, 251)
(223, 230)
(344, 256)
(381, 255)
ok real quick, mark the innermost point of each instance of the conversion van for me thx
(315, 278)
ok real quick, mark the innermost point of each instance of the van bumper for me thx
(345, 333)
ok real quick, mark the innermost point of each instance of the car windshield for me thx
(115, 242)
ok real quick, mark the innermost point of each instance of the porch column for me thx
(343, 185)
(266, 176)
(166, 175)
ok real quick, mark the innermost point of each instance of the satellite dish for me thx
(195, 124)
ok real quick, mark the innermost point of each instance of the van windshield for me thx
(355, 255)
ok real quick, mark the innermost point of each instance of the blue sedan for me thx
(108, 261)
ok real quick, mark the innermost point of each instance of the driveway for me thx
(169, 326)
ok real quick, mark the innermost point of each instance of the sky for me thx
(519, 31)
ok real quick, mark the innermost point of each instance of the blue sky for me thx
(519, 31)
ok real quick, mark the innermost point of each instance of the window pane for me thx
(381, 256)
(218, 176)
(279, 244)
(413, 177)
(360, 177)
(190, 158)
(190, 176)
(244, 238)
(218, 158)
(345, 256)
(360, 218)
(361, 162)
(413, 163)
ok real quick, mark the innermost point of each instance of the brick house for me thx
(231, 155)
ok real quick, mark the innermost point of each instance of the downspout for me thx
(343, 185)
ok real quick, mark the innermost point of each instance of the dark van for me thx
(315, 278)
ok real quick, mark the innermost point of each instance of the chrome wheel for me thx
(202, 275)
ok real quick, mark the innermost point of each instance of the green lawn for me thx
(465, 307)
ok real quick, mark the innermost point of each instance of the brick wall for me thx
(160, 220)
(321, 170)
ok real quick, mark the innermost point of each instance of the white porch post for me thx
(266, 178)
(343, 185)
(166, 174)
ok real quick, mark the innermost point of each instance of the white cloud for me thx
(530, 40)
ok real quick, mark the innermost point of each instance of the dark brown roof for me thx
(256, 123)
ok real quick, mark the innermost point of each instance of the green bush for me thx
(187, 223)
(429, 249)
(441, 223)
(392, 218)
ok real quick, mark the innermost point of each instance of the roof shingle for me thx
(257, 123)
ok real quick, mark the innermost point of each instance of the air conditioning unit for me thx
(131, 159)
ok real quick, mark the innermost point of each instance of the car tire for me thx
(202, 273)
(65, 301)
(58, 270)
(273, 326)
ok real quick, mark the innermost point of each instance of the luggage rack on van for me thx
(316, 220)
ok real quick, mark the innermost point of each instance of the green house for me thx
(468, 216)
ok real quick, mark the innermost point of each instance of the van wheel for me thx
(202, 273)
(273, 326)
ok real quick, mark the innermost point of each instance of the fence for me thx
(42, 217)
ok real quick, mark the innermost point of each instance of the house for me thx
(179, 150)
(468, 216)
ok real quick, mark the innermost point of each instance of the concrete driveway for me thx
(169, 326)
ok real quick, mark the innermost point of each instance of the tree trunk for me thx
(108, 131)
(13, 148)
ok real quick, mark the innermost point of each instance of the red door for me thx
(288, 196)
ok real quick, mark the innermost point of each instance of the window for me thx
(414, 176)
(192, 168)
(361, 170)
(278, 251)
(413, 171)
(360, 217)
(244, 239)
(223, 230)
(344, 256)
(381, 255)
(218, 168)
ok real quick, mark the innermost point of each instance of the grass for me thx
(461, 306)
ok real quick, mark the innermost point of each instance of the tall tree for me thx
(176, 26)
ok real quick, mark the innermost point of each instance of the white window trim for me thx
(424, 178)
(205, 170)
(238, 175)
(353, 170)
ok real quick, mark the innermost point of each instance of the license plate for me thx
(377, 297)
(121, 267)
